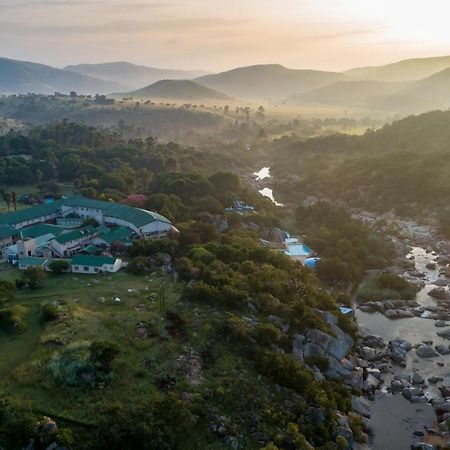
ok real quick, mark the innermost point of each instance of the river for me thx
(264, 174)
(394, 419)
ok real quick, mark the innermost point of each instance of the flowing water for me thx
(264, 174)
(393, 417)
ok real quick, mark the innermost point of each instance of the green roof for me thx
(70, 236)
(31, 261)
(92, 261)
(114, 234)
(7, 231)
(138, 217)
(91, 249)
(32, 213)
(40, 230)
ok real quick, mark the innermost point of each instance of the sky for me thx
(217, 35)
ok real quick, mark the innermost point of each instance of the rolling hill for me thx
(21, 77)
(184, 90)
(132, 76)
(270, 81)
(406, 70)
(348, 93)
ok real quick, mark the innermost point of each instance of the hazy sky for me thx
(220, 34)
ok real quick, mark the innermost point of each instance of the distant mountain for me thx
(21, 77)
(406, 70)
(348, 93)
(434, 87)
(132, 76)
(271, 81)
(185, 90)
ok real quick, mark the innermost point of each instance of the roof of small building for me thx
(113, 234)
(32, 261)
(93, 261)
(74, 235)
(7, 231)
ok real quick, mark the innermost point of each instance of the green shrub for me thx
(12, 319)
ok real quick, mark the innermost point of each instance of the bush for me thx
(34, 277)
(139, 266)
(103, 354)
(12, 320)
(49, 312)
(59, 266)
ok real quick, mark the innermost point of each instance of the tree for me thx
(14, 197)
(59, 266)
(34, 277)
(39, 176)
(6, 196)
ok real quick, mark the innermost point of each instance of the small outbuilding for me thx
(95, 264)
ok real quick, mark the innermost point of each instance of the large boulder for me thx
(398, 349)
(439, 293)
(426, 351)
(444, 333)
(338, 346)
(398, 314)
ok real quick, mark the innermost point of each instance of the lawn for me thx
(66, 189)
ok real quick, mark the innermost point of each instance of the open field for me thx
(66, 189)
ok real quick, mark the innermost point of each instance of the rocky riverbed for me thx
(404, 354)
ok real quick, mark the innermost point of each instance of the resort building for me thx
(59, 230)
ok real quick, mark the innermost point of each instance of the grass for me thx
(94, 315)
(66, 189)
(385, 286)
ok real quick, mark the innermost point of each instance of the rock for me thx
(439, 293)
(422, 446)
(440, 323)
(338, 346)
(398, 314)
(418, 399)
(361, 406)
(398, 350)
(418, 433)
(367, 353)
(444, 333)
(373, 341)
(442, 408)
(442, 349)
(426, 351)
(434, 380)
(445, 391)
(374, 372)
(431, 266)
(441, 282)
(417, 378)
(396, 386)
